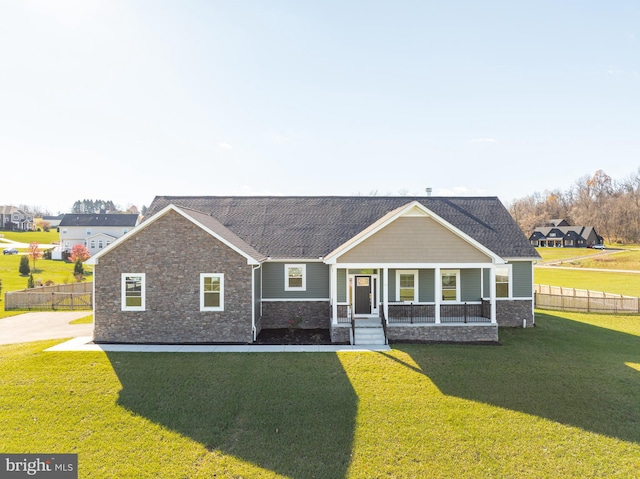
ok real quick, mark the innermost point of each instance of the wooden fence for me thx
(61, 297)
(582, 300)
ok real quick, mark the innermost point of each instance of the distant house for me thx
(559, 234)
(367, 269)
(95, 231)
(54, 221)
(12, 218)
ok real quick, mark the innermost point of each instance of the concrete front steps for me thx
(369, 334)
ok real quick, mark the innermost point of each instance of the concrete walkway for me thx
(28, 327)
(85, 344)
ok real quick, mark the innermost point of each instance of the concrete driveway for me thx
(28, 327)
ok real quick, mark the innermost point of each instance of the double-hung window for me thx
(295, 277)
(211, 292)
(407, 285)
(450, 285)
(502, 281)
(133, 291)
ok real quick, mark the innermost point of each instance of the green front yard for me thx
(560, 400)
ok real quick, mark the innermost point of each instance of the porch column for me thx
(385, 292)
(438, 293)
(492, 292)
(333, 284)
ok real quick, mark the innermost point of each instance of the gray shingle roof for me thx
(112, 219)
(311, 227)
(224, 232)
(580, 231)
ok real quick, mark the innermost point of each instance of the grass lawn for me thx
(627, 284)
(557, 254)
(31, 236)
(558, 400)
(627, 259)
(59, 272)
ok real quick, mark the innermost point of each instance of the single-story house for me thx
(221, 269)
(95, 231)
(560, 234)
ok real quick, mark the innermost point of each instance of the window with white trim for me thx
(407, 285)
(450, 285)
(211, 292)
(133, 291)
(295, 277)
(93, 244)
(503, 283)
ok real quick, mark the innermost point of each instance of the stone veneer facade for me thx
(463, 333)
(314, 314)
(512, 313)
(172, 252)
(340, 334)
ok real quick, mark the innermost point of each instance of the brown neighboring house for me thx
(221, 269)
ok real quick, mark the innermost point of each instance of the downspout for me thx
(533, 295)
(254, 331)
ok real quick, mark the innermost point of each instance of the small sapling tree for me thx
(34, 253)
(79, 254)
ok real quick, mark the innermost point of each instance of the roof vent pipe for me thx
(429, 190)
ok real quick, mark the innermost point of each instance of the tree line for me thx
(87, 206)
(611, 206)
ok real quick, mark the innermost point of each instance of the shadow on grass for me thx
(563, 370)
(293, 418)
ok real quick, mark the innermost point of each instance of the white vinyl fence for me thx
(582, 300)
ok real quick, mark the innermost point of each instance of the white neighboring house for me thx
(95, 231)
(54, 221)
(12, 218)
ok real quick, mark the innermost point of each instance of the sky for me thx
(125, 100)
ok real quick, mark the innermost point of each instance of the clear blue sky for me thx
(125, 100)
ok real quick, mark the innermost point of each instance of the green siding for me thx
(470, 284)
(342, 286)
(392, 285)
(486, 286)
(317, 281)
(427, 285)
(522, 279)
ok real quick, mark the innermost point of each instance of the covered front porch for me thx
(425, 303)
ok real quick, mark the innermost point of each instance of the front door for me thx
(363, 295)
